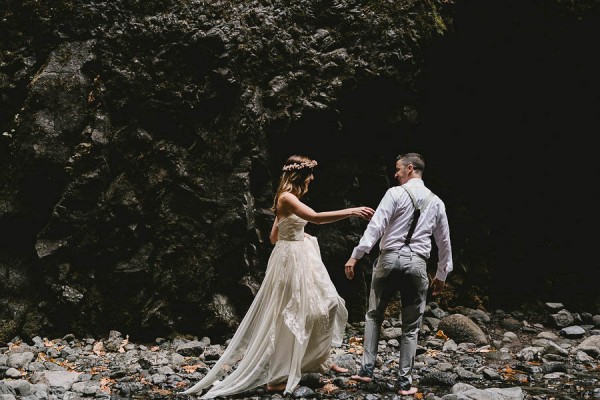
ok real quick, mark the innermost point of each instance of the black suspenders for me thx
(416, 213)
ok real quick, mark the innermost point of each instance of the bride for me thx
(297, 314)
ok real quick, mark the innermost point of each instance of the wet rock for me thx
(462, 329)
(439, 378)
(191, 348)
(5, 389)
(114, 342)
(64, 379)
(311, 380)
(12, 373)
(479, 316)
(470, 392)
(391, 333)
(213, 352)
(562, 318)
(574, 332)
(554, 306)
(491, 374)
(590, 346)
(20, 360)
(553, 348)
(548, 335)
(303, 392)
(511, 324)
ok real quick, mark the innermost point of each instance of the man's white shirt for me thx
(392, 220)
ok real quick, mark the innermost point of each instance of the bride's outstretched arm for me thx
(292, 205)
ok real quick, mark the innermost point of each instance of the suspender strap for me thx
(416, 213)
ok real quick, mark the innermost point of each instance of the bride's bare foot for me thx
(338, 369)
(360, 378)
(408, 392)
(279, 387)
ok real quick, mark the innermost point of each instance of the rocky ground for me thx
(463, 354)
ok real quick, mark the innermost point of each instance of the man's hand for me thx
(349, 267)
(437, 286)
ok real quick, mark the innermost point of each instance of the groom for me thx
(405, 220)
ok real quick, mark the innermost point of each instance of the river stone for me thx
(590, 346)
(562, 318)
(511, 324)
(20, 360)
(5, 389)
(572, 332)
(462, 329)
(470, 392)
(440, 378)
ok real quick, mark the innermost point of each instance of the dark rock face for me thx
(143, 142)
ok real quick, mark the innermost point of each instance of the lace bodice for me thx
(292, 228)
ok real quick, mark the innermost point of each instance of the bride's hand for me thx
(363, 212)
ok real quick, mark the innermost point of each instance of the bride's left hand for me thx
(364, 212)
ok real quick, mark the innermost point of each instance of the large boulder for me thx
(462, 329)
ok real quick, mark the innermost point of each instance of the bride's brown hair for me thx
(294, 178)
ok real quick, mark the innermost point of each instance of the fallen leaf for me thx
(17, 343)
(330, 388)
(431, 352)
(441, 334)
(355, 340)
(190, 369)
(98, 349)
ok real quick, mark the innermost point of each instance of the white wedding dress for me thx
(295, 318)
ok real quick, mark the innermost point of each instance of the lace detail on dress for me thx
(294, 277)
(295, 318)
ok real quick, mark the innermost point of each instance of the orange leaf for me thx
(330, 388)
(355, 340)
(191, 368)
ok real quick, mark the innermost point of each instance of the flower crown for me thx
(298, 166)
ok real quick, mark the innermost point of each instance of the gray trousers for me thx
(404, 271)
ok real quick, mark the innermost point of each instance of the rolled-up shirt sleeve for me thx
(441, 235)
(376, 226)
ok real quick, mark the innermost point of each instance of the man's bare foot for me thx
(365, 379)
(279, 387)
(338, 369)
(408, 392)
